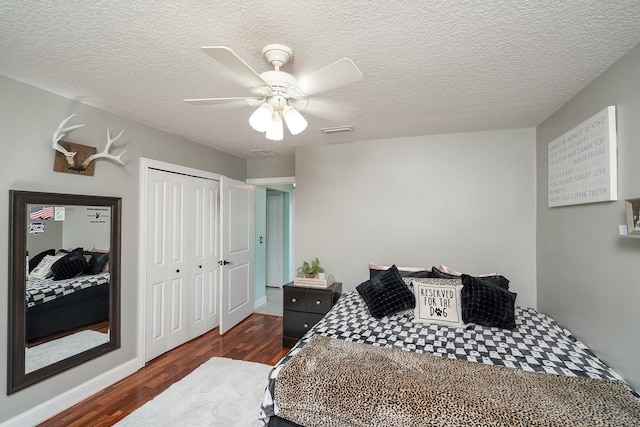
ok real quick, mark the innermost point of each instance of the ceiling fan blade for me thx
(235, 100)
(339, 73)
(240, 72)
(325, 109)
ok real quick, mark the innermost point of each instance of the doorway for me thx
(284, 188)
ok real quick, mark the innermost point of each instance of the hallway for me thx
(274, 302)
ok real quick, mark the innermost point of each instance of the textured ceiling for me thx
(429, 67)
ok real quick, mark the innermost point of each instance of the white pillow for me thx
(43, 269)
(438, 302)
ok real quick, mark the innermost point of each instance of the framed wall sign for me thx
(583, 162)
(632, 209)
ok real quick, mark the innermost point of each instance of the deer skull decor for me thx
(72, 164)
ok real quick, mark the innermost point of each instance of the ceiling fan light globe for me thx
(275, 132)
(261, 118)
(294, 120)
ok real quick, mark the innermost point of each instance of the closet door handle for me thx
(178, 270)
(224, 262)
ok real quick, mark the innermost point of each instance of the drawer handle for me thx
(293, 300)
(306, 326)
(318, 302)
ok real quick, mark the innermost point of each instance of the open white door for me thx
(237, 290)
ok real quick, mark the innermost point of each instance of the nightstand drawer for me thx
(295, 299)
(297, 323)
(319, 301)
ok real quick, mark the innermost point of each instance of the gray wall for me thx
(463, 200)
(28, 117)
(588, 276)
(275, 167)
(50, 239)
(82, 230)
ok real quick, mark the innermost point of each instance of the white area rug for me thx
(56, 350)
(220, 392)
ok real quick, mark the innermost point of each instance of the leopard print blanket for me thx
(333, 382)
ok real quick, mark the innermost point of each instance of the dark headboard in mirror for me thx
(64, 283)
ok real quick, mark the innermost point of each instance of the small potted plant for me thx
(310, 270)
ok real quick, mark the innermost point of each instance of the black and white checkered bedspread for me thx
(40, 291)
(538, 344)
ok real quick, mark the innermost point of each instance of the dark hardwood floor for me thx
(258, 339)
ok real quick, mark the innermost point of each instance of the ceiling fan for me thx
(278, 95)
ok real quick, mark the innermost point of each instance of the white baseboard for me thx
(260, 301)
(54, 406)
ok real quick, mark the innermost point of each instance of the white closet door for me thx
(204, 268)
(183, 250)
(166, 325)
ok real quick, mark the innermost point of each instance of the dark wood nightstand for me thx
(303, 307)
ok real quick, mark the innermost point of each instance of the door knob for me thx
(224, 262)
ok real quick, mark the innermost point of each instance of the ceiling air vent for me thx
(264, 152)
(347, 128)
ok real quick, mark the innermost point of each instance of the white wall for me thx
(588, 276)
(28, 117)
(463, 200)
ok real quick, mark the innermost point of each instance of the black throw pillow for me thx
(34, 261)
(495, 279)
(96, 262)
(486, 304)
(373, 272)
(435, 271)
(386, 293)
(69, 265)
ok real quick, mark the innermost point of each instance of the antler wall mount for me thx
(66, 160)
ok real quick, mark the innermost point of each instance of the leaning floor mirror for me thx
(64, 283)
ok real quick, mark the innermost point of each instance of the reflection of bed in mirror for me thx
(58, 306)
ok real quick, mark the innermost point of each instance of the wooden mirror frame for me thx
(17, 378)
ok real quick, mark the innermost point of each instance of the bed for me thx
(73, 297)
(57, 306)
(357, 369)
